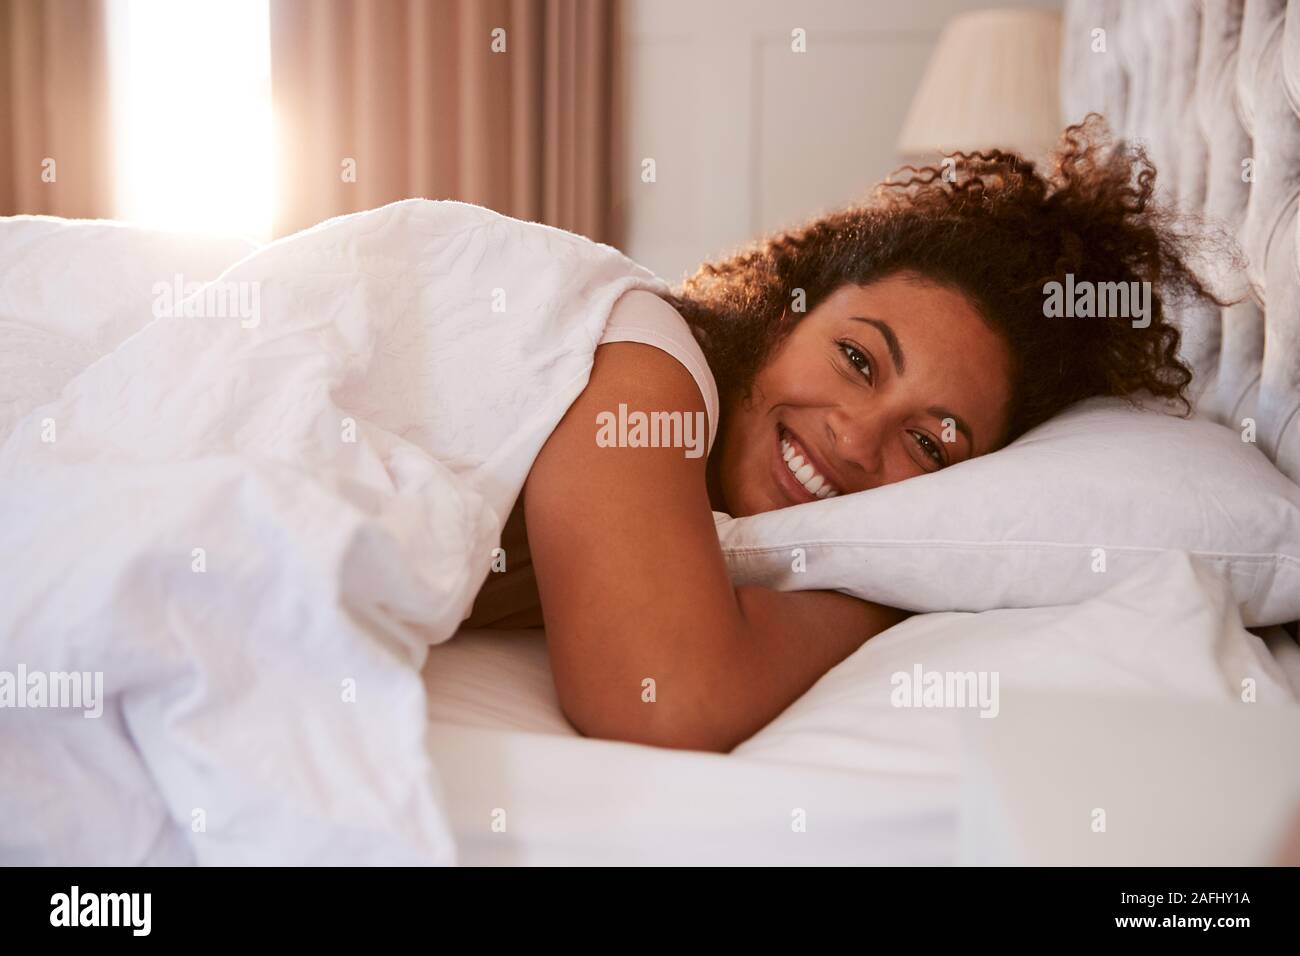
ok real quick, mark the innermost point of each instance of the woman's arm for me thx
(634, 585)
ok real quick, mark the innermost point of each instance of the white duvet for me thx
(254, 525)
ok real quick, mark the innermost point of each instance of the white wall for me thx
(747, 135)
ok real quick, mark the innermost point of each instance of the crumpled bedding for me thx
(254, 525)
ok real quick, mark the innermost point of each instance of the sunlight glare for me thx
(192, 103)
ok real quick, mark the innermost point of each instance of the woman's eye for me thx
(858, 359)
(929, 447)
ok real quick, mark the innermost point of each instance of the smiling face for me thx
(878, 383)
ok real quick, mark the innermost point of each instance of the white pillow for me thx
(1168, 630)
(1058, 516)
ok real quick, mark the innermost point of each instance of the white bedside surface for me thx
(1182, 783)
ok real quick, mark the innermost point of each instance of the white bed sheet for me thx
(871, 783)
(568, 801)
(507, 755)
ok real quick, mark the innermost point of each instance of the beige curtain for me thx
(55, 150)
(377, 101)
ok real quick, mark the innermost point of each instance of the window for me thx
(192, 114)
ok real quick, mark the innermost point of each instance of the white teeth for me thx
(805, 473)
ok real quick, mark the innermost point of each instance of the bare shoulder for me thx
(634, 480)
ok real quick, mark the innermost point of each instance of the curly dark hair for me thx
(996, 230)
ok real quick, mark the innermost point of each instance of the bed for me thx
(1204, 86)
(1159, 663)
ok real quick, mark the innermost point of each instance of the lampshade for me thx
(993, 81)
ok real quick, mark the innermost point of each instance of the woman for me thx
(869, 346)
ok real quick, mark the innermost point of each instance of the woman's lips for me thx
(791, 487)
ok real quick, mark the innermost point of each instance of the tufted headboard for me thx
(1212, 89)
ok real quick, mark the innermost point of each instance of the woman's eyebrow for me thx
(891, 341)
(943, 413)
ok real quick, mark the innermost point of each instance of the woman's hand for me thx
(649, 640)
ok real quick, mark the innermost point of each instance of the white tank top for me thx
(508, 599)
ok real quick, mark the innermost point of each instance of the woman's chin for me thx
(754, 501)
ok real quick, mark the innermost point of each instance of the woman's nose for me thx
(857, 440)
